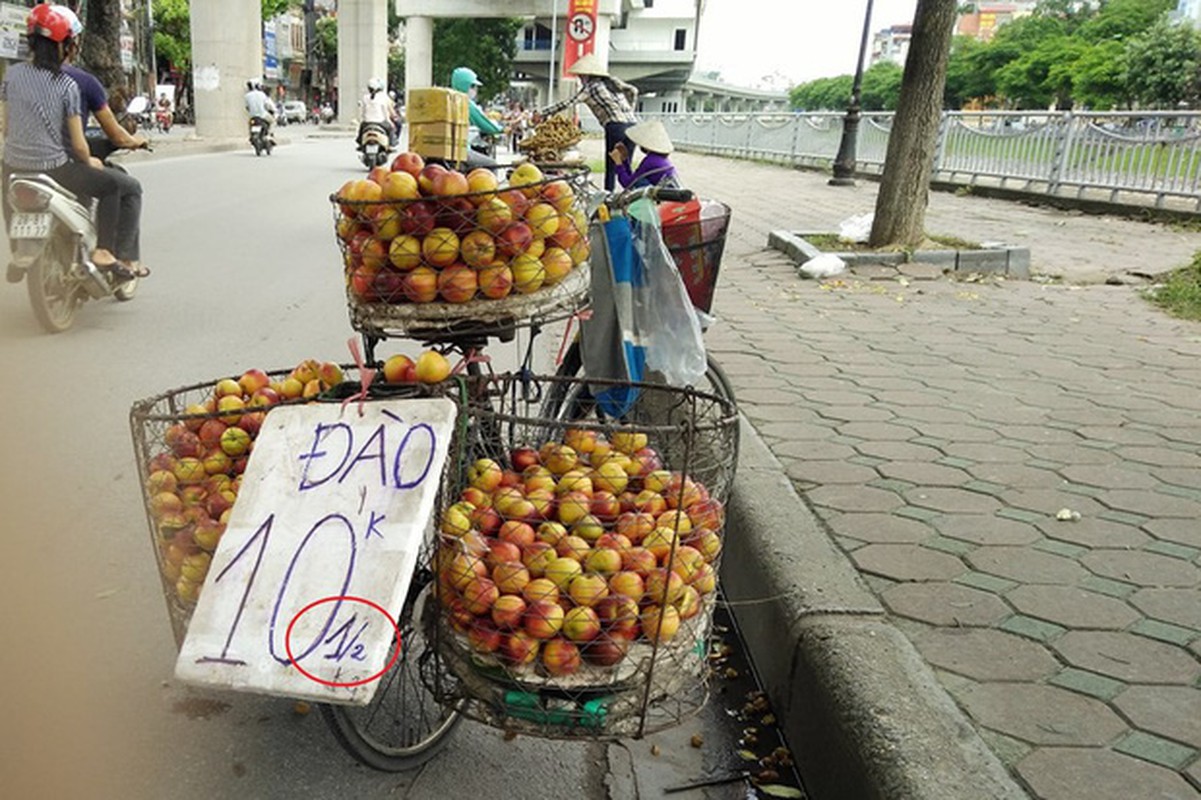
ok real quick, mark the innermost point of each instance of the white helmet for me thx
(375, 84)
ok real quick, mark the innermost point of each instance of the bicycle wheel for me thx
(568, 401)
(403, 726)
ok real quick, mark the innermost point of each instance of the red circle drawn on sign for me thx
(337, 599)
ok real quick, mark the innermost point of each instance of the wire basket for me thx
(446, 256)
(577, 558)
(695, 235)
(192, 445)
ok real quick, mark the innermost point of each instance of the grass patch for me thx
(1180, 294)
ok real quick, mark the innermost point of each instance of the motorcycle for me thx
(260, 136)
(374, 144)
(53, 233)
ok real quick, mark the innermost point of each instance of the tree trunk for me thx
(904, 188)
(102, 43)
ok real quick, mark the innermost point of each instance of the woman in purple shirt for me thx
(656, 168)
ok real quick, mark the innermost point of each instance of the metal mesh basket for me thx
(695, 235)
(577, 559)
(513, 254)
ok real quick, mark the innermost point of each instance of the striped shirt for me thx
(608, 98)
(39, 103)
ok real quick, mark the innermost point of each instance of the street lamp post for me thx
(844, 162)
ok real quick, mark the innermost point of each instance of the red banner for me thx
(581, 32)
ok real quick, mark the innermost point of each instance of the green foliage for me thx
(396, 69)
(173, 32)
(1099, 80)
(488, 46)
(881, 87)
(1162, 63)
(823, 94)
(1180, 294)
(325, 46)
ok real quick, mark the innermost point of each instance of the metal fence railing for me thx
(1151, 156)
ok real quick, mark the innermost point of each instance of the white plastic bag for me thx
(856, 229)
(823, 266)
(666, 320)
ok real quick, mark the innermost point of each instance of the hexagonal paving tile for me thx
(1016, 476)
(942, 603)
(855, 498)
(1159, 456)
(1026, 565)
(1041, 714)
(820, 473)
(924, 473)
(951, 500)
(984, 451)
(1075, 773)
(899, 451)
(1110, 476)
(1128, 657)
(1072, 607)
(1145, 569)
(907, 562)
(1173, 712)
(880, 528)
(1050, 501)
(1094, 532)
(985, 654)
(1072, 454)
(1181, 531)
(985, 529)
(1151, 504)
(1178, 606)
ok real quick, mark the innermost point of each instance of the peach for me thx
(587, 589)
(516, 201)
(494, 215)
(660, 542)
(448, 183)
(573, 506)
(457, 283)
(405, 252)
(496, 281)
(572, 547)
(589, 528)
(689, 603)
(560, 657)
(610, 477)
(562, 570)
(510, 577)
(399, 369)
(706, 541)
(675, 519)
(605, 506)
(543, 501)
(705, 580)
(660, 623)
(508, 611)
(421, 285)
(479, 594)
(650, 503)
(606, 650)
(537, 556)
(411, 163)
(613, 541)
(518, 648)
(559, 194)
(639, 560)
(663, 586)
(603, 560)
(537, 476)
(484, 473)
(556, 263)
(527, 177)
(431, 367)
(478, 249)
(543, 619)
(551, 532)
(628, 584)
(581, 624)
(484, 636)
(500, 553)
(425, 178)
(543, 219)
(687, 562)
(518, 532)
(540, 589)
(618, 615)
(634, 525)
(528, 273)
(482, 183)
(400, 185)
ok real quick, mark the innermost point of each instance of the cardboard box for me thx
(445, 140)
(436, 105)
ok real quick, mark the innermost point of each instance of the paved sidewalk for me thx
(941, 431)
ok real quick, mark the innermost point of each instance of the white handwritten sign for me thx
(316, 561)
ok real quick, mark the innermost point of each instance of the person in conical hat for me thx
(610, 99)
(656, 168)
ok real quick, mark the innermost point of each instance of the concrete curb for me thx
(863, 712)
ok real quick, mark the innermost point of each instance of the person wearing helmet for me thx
(377, 107)
(43, 128)
(464, 80)
(94, 102)
(611, 101)
(259, 105)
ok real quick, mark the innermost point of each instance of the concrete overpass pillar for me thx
(362, 52)
(227, 51)
(419, 52)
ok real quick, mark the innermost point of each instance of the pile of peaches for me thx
(421, 233)
(193, 480)
(566, 557)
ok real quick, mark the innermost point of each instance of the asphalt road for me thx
(246, 273)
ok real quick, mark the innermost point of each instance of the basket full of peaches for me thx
(580, 564)
(424, 243)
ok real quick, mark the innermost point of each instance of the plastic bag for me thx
(856, 229)
(666, 320)
(823, 266)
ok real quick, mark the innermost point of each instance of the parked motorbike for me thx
(260, 136)
(53, 233)
(374, 144)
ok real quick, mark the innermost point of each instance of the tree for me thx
(173, 34)
(881, 89)
(1099, 76)
(488, 46)
(1162, 64)
(905, 185)
(101, 53)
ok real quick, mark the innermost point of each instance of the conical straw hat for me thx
(588, 64)
(651, 136)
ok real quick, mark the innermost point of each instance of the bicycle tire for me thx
(394, 746)
(53, 293)
(568, 401)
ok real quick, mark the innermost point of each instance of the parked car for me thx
(294, 111)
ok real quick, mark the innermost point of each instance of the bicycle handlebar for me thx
(622, 199)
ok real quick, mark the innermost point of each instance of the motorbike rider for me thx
(464, 80)
(259, 105)
(375, 106)
(43, 129)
